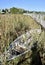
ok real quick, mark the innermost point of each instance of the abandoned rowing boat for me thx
(21, 46)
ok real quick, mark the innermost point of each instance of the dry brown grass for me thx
(13, 25)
